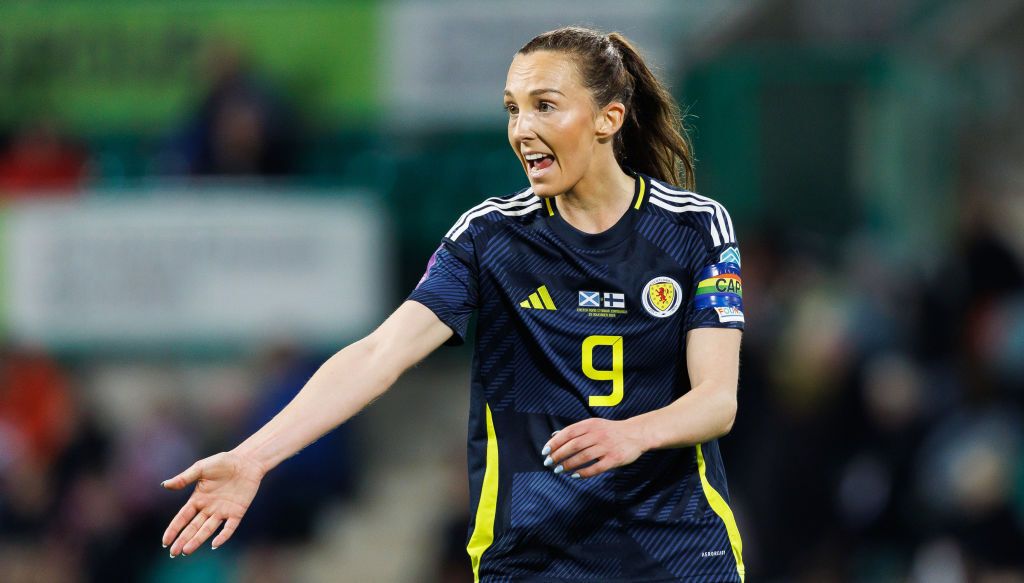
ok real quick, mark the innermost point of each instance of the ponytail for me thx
(652, 139)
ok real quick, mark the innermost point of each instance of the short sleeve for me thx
(716, 298)
(449, 288)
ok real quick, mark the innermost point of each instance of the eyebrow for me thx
(539, 91)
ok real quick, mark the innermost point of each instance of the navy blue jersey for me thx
(572, 325)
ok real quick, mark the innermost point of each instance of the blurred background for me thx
(201, 201)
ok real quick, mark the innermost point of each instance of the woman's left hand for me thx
(611, 443)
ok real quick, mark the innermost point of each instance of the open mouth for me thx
(538, 162)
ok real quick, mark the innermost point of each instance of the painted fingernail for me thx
(554, 432)
(546, 450)
(575, 475)
(162, 544)
(213, 548)
(172, 555)
(559, 469)
(548, 461)
(162, 484)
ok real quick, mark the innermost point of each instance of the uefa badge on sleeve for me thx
(662, 297)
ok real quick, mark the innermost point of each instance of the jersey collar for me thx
(610, 236)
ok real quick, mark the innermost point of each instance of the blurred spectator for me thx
(295, 494)
(39, 159)
(35, 408)
(880, 434)
(241, 127)
(453, 534)
(35, 425)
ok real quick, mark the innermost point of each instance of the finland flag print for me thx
(614, 300)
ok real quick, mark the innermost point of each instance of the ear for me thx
(610, 119)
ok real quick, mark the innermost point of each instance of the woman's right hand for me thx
(225, 486)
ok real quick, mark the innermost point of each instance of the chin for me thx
(546, 187)
(544, 190)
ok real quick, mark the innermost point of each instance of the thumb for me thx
(183, 479)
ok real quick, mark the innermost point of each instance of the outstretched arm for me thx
(353, 377)
(705, 412)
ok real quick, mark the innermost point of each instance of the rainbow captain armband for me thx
(720, 287)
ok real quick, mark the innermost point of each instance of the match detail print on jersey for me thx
(602, 304)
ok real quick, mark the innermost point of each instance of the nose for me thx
(523, 127)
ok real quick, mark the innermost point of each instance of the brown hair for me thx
(652, 139)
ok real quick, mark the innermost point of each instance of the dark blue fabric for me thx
(650, 520)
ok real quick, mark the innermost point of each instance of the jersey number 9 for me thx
(614, 375)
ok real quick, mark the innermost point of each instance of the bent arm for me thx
(346, 382)
(708, 410)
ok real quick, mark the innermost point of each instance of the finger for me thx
(226, 532)
(187, 534)
(187, 512)
(592, 470)
(557, 439)
(183, 479)
(571, 448)
(209, 527)
(560, 437)
(582, 458)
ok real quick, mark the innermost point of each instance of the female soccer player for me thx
(606, 362)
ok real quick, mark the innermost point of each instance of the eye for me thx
(511, 108)
(545, 106)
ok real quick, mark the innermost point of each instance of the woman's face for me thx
(552, 120)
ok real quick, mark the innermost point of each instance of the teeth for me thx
(532, 157)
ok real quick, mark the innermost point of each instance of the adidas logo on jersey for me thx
(539, 300)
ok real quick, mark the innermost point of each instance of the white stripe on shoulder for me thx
(508, 212)
(690, 207)
(725, 220)
(675, 195)
(717, 226)
(510, 208)
(491, 203)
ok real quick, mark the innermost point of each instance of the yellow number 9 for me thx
(614, 375)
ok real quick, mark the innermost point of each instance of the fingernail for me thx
(546, 450)
(575, 475)
(172, 555)
(558, 470)
(162, 544)
(162, 484)
(213, 548)
(548, 461)
(554, 432)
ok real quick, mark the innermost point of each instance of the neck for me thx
(599, 199)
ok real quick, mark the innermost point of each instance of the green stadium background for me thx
(158, 302)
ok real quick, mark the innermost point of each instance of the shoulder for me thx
(700, 212)
(495, 210)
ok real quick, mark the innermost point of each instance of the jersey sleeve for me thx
(449, 287)
(716, 298)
